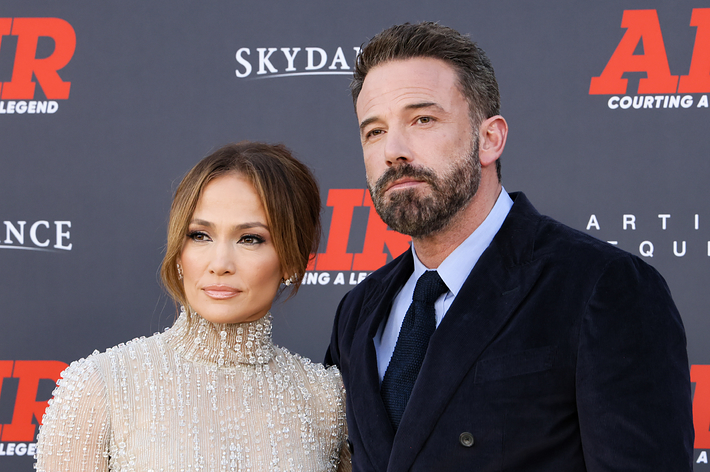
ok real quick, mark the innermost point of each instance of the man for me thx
(503, 340)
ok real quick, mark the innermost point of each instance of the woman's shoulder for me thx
(315, 372)
(129, 350)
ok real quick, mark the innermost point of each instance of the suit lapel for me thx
(371, 417)
(493, 290)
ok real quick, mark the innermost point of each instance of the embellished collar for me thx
(222, 345)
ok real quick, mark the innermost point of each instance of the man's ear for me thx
(493, 133)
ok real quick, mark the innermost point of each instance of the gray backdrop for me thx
(157, 85)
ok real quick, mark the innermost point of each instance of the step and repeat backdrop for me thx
(105, 105)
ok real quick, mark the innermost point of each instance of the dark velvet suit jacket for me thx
(560, 353)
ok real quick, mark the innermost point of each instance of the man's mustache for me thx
(405, 170)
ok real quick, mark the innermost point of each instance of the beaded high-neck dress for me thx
(198, 397)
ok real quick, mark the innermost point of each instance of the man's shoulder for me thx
(383, 277)
(555, 241)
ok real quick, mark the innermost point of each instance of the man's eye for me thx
(424, 119)
(374, 132)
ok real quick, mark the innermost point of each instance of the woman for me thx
(212, 392)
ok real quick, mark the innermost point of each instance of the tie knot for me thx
(429, 287)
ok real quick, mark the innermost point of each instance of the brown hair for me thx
(427, 39)
(288, 192)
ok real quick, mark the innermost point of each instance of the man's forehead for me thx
(408, 82)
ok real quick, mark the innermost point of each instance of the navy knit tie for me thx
(418, 326)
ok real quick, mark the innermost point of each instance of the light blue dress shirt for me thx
(453, 271)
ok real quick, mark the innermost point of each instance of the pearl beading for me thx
(199, 396)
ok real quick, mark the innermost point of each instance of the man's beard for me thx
(409, 213)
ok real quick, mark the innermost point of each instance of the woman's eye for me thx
(198, 236)
(251, 239)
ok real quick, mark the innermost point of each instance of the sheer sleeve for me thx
(74, 435)
(345, 464)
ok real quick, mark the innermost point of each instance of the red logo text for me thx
(27, 64)
(377, 236)
(27, 407)
(642, 26)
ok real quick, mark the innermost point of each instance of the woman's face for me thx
(231, 271)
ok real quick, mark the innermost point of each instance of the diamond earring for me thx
(290, 280)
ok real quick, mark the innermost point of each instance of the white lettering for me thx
(311, 278)
(665, 102)
(674, 102)
(10, 449)
(664, 218)
(659, 99)
(19, 234)
(630, 220)
(323, 58)
(625, 102)
(11, 106)
(21, 107)
(648, 102)
(697, 222)
(62, 234)
(52, 107)
(21, 449)
(638, 103)
(703, 103)
(613, 102)
(324, 278)
(686, 101)
(290, 57)
(264, 60)
(41, 107)
(702, 458)
(593, 223)
(31, 449)
(244, 62)
(646, 249)
(33, 233)
(339, 58)
(680, 253)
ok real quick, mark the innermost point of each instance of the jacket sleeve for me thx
(633, 380)
(332, 355)
(74, 435)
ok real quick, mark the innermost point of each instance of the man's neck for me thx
(434, 248)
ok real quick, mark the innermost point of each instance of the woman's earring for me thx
(290, 280)
(179, 268)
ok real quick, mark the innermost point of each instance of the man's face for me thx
(421, 153)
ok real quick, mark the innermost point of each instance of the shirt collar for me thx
(458, 265)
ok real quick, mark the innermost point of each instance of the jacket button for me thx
(466, 439)
(350, 446)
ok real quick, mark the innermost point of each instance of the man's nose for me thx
(397, 148)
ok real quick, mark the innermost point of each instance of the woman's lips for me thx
(220, 292)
